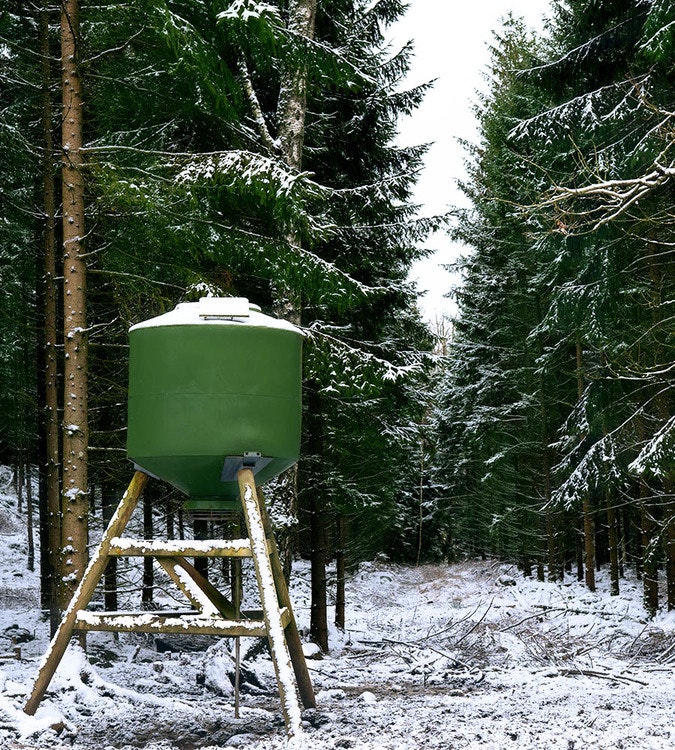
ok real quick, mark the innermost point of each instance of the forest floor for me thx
(470, 655)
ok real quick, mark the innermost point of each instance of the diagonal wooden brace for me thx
(203, 596)
(84, 591)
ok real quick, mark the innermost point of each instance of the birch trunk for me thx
(291, 114)
(292, 105)
(74, 499)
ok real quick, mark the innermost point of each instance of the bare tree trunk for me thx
(613, 545)
(587, 508)
(291, 113)
(108, 506)
(29, 520)
(650, 573)
(669, 535)
(317, 527)
(75, 418)
(292, 107)
(319, 616)
(50, 494)
(341, 572)
(657, 275)
(579, 550)
(19, 479)
(148, 533)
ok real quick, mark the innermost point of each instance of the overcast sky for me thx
(451, 45)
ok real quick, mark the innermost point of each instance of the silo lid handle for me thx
(224, 307)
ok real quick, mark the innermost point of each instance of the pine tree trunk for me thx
(587, 508)
(613, 537)
(650, 581)
(50, 492)
(579, 549)
(420, 505)
(551, 546)
(555, 571)
(669, 536)
(148, 533)
(341, 572)
(540, 570)
(19, 481)
(319, 616)
(317, 526)
(168, 509)
(181, 521)
(75, 510)
(29, 520)
(656, 274)
(623, 531)
(108, 506)
(200, 529)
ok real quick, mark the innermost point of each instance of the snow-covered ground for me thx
(470, 655)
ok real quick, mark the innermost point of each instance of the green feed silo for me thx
(214, 385)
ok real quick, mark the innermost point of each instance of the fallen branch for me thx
(575, 672)
(453, 659)
(476, 624)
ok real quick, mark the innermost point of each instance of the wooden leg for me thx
(293, 641)
(270, 604)
(84, 591)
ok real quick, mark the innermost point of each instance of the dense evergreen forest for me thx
(159, 152)
(553, 411)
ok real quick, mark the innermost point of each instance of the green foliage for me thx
(658, 36)
(188, 194)
(558, 389)
(19, 229)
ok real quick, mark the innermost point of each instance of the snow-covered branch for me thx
(614, 197)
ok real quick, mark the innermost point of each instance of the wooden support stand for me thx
(213, 613)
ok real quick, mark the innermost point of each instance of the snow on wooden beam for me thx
(171, 622)
(121, 547)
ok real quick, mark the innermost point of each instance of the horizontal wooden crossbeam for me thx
(172, 622)
(121, 547)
